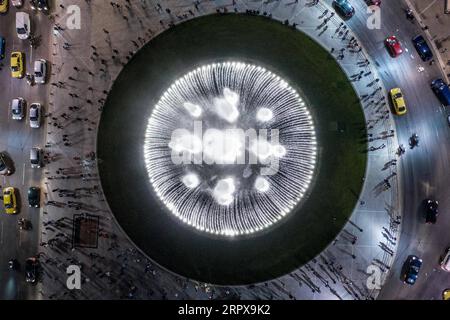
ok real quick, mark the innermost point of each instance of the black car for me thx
(5, 165)
(31, 270)
(431, 211)
(41, 5)
(34, 197)
(412, 268)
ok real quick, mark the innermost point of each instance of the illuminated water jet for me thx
(247, 147)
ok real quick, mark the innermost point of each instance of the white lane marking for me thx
(23, 174)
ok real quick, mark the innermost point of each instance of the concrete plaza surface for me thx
(84, 65)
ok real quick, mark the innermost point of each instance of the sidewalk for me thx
(117, 270)
(436, 25)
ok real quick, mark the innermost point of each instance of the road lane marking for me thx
(23, 174)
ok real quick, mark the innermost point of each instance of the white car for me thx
(40, 71)
(35, 115)
(445, 262)
(18, 108)
(17, 3)
(36, 157)
(23, 25)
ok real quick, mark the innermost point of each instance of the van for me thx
(23, 25)
(445, 263)
(442, 91)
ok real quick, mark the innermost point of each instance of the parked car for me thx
(23, 25)
(393, 45)
(2, 48)
(442, 91)
(344, 8)
(6, 168)
(41, 5)
(373, 2)
(34, 197)
(17, 3)
(35, 115)
(36, 157)
(422, 48)
(18, 106)
(17, 66)
(40, 71)
(9, 200)
(412, 269)
(31, 270)
(3, 6)
(432, 211)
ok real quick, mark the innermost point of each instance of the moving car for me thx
(2, 48)
(432, 211)
(31, 270)
(3, 6)
(34, 197)
(18, 106)
(9, 200)
(5, 165)
(413, 265)
(17, 67)
(36, 157)
(442, 91)
(398, 101)
(344, 8)
(394, 47)
(17, 3)
(446, 294)
(422, 48)
(23, 25)
(41, 5)
(40, 71)
(35, 115)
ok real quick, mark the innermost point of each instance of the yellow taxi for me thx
(17, 69)
(3, 6)
(398, 101)
(9, 200)
(446, 294)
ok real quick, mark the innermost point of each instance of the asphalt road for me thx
(424, 169)
(17, 138)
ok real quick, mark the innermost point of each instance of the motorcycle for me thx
(414, 140)
(409, 14)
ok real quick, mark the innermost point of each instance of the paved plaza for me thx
(84, 65)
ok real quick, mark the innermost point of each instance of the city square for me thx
(224, 150)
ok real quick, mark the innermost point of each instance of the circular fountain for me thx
(230, 149)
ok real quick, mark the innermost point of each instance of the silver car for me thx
(17, 3)
(36, 157)
(23, 25)
(18, 108)
(35, 115)
(40, 71)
